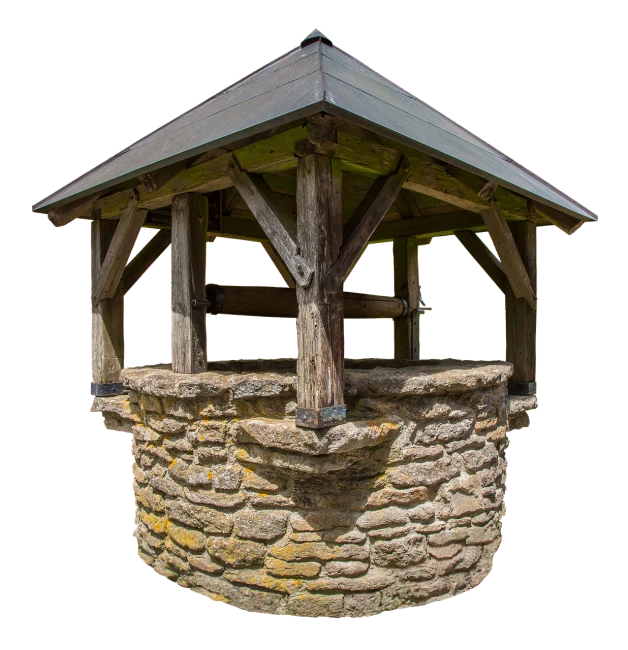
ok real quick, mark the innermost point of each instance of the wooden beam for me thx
(119, 252)
(107, 319)
(484, 257)
(508, 254)
(152, 181)
(280, 229)
(190, 214)
(320, 326)
(406, 266)
(136, 268)
(280, 302)
(229, 227)
(66, 213)
(284, 271)
(521, 318)
(362, 224)
(565, 222)
(426, 227)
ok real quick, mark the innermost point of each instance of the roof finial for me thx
(316, 36)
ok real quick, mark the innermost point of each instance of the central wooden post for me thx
(521, 317)
(189, 240)
(320, 321)
(406, 261)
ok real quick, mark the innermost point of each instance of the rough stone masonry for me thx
(398, 507)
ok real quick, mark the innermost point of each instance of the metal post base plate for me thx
(320, 418)
(107, 390)
(522, 388)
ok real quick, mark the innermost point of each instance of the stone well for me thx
(398, 507)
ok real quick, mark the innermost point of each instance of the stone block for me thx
(187, 537)
(427, 474)
(227, 477)
(282, 569)
(337, 569)
(202, 517)
(264, 525)
(379, 518)
(236, 552)
(318, 551)
(399, 552)
(315, 605)
(389, 497)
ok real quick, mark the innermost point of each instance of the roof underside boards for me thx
(318, 77)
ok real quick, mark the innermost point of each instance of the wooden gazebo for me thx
(314, 156)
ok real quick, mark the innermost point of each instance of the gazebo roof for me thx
(315, 77)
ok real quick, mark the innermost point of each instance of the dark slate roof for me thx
(311, 78)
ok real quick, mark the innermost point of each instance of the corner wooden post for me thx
(189, 240)
(521, 317)
(107, 319)
(406, 264)
(320, 320)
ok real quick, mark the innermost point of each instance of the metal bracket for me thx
(320, 418)
(215, 299)
(108, 390)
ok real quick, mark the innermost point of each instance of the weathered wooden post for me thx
(189, 239)
(107, 318)
(521, 317)
(320, 326)
(406, 264)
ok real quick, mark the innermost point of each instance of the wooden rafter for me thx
(363, 222)
(152, 181)
(119, 251)
(509, 255)
(280, 229)
(565, 222)
(67, 213)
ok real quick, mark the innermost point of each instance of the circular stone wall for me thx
(398, 507)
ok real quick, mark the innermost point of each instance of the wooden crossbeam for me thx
(280, 229)
(484, 257)
(119, 251)
(509, 255)
(136, 268)
(152, 181)
(425, 227)
(363, 222)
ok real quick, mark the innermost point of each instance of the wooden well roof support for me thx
(521, 316)
(320, 321)
(406, 277)
(107, 318)
(190, 213)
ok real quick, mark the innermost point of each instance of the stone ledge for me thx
(365, 377)
(284, 434)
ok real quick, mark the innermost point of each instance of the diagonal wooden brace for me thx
(119, 251)
(508, 254)
(280, 229)
(363, 223)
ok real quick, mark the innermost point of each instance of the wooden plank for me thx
(320, 328)
(66, 213)
(107, 316)
(508, 254)
(284, 271)
(362, 224)
(281, 302)
(119, 251)
(406, 266)
(521, 318)
(280, 229)
(484, 257)
(229, 227)
(189, 232)
(136, 268)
